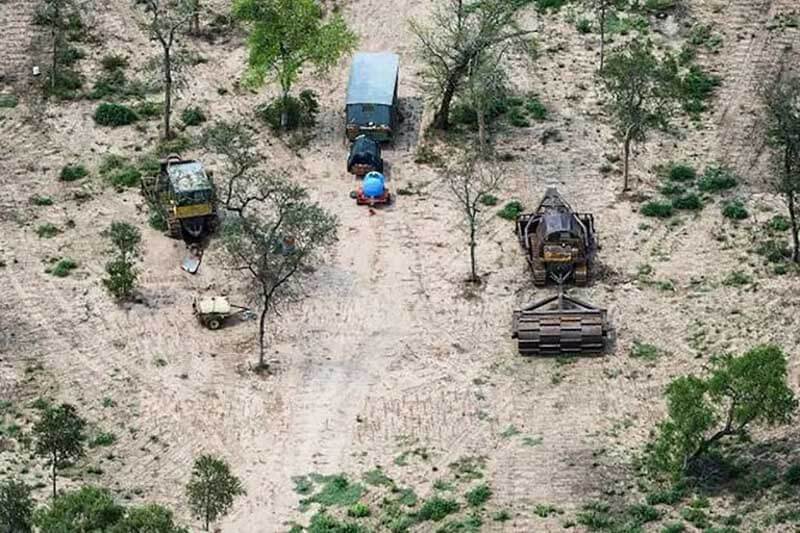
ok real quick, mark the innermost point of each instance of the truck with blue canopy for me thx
(371, 107)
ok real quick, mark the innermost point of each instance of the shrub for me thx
(792, 476)
(774, 251)
(111, 62)
(41, 200)
(47, 230)
(358, 510)
(643, 513)
(681, 172)
(156, 220)
(737, 278)
(149, 110)
(657, 209)
(8, 101)
(688, 201)
(114, 115)
(127, 176)
(672, 189)
(583, 25)
(642, 350)
(517, 118)
(62, 268)
(536, 108)
(734, 210)
(660, 5)
(73, 172)
(779, 223)
(121, 278)
(437, 508)
(193, 116)
(716, 179)
(554, 5)
(479, 495)
(595, 516)
(301, 112)
(696, 87)
(511, 210)
(103, 439)
(489, 200)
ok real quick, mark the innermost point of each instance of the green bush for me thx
(193, 116)
(358, 510)
(535, 108)
(114, 115)
(41, 200)
(554, 5)
(716, 179)
(779, 223)
(8, 101)
(517, 118)
(737, 278)
(583, 25)
(127, 176)
(734, 210)
(47, 230)
(437, 509)
(73, 172)
(657, 209)
(149, 110)
(696, 87)
(121, 278)
(103, 439)
(67, 83)
(688, 201)
(489, 200)
(511, 210)
(643, 513)
(643, 350)
(62, 268)
(111, 62)
(774, 251)
(479, 495)
(681, 172)
(660, 5)
(301, 112)
(792, 475)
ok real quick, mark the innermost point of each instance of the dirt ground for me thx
(387, 349)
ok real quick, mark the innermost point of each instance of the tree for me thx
(471, 186)
(166, 17)
(285, 35)
(16, 507)
(276, 243)
(60, 437)
(122, 275)
(485, 90)
(603, 9)
(457, 34)
(150, 518)
(642, 91)
(739, 392)
(56, 15)
(238, 148)
(782, 116)
(86, 509)
(212, 489)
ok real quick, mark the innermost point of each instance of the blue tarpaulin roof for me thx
(372, 78)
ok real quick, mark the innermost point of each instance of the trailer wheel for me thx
(214, 323)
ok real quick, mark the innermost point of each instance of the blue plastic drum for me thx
(373, 185)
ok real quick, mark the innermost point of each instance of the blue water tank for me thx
(373, 186)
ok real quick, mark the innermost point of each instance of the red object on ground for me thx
(383, 199)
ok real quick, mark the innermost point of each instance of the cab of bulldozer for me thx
(561, 239)
(191, 191)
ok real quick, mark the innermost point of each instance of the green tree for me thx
(782, 116)
(165, 18)
(122, 275)
(701, 412)
(60, 437)
(603, 9)
(470, 185)
(57, 15)
(212, 489)
(150, 518)
(16, 507)
(86, 509)
(458, 33)
(285, 35)
(236, 145)
(642, 91)
(276, 240)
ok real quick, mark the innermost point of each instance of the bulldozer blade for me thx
(191, 262)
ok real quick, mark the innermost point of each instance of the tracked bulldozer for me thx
(558, 241)
(184, 195)
(560, 245)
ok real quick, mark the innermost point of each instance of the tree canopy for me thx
(16, 507)
(60, 436)
(212, 489)
(737, 393)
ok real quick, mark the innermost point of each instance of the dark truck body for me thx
(371, 106)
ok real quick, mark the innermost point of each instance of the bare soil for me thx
(390, 350)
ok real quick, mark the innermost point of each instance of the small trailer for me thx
(213, 311)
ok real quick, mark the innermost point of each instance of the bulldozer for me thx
(558, 241)
(560, 246)
(184, 193)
